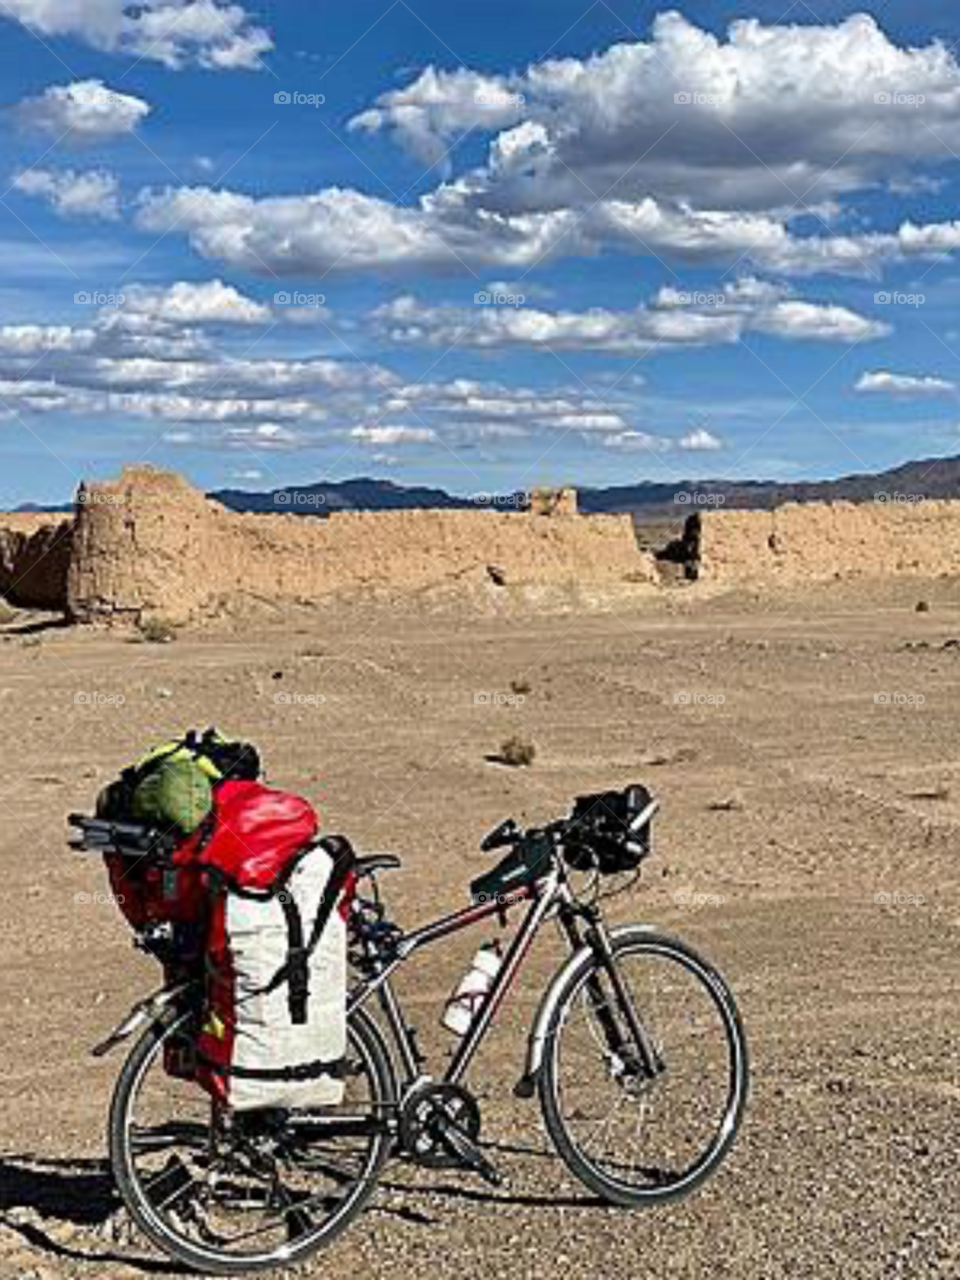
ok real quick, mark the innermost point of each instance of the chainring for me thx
(420, 1135)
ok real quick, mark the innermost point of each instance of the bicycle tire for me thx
(365, 1037)
(632, 939)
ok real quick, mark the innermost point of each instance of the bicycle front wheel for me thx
(633, 1137)
(230, 1193)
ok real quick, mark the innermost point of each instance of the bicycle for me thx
(619, 1051)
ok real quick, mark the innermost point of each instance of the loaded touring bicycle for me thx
(234, 1156)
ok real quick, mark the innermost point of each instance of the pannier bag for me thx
(258, 908)
(150, 892)
(171, 787)
(273, 1030)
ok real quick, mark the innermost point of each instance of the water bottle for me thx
(474, 985)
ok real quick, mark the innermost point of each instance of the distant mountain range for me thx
(34, 508)
(928, 478)
(361, 494)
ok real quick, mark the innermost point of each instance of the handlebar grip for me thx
(642, 818)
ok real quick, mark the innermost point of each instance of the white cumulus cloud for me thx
(700, 439)
(636, 440)
(188, 303)
(209, 33)
(392, 435)
(770, 115)
(92, 194)
(86, 111)
(903, 383)
(672, 318)
(344, 230)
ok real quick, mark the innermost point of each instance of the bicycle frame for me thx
(542, 897)
(549, 893)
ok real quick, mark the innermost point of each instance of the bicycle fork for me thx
(647, 1057)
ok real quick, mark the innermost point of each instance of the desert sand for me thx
(799, 799)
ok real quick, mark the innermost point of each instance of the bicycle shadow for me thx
(79, 1193)
(475, 1192)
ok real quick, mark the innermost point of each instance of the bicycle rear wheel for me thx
(633, 1139)
(232, 1193)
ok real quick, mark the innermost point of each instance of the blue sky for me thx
(699, 279)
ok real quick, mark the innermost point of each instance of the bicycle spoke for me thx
(624, 1131)
(162, 1137)
(166, 1187)
(234, 1188)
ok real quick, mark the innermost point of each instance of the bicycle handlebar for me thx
(509, 832)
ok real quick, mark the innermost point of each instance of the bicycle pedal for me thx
(525, 1087)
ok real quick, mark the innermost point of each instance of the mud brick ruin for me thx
(152, 543)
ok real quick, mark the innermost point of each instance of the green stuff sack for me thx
(177, 802)
(178, 793)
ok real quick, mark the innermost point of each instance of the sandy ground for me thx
(799, 799)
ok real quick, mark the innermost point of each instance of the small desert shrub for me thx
(155, 629)
(517, 751)
(520, 686)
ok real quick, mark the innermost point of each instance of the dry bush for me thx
(518, 752)
(155, 629)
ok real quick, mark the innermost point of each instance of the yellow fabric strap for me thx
(176, 751)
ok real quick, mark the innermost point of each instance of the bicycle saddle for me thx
(376, 862)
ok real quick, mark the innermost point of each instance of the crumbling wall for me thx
(150, 542)
(34, 559)
(545, 501)
(800, 543)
